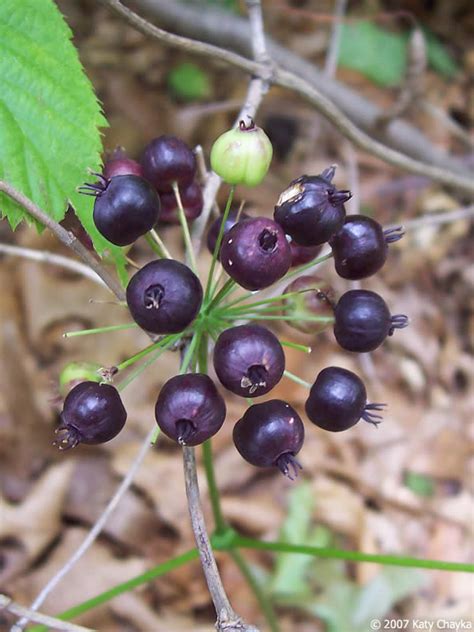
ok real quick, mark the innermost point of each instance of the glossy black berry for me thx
(92, 413)
(164, 296)
(302, 254)
(270, 434)
(191, 197)
(125, 208)
(189, 409)
(363, 321)
(360, 247)
(311, 210)
(213, 232)
(249, 360)
(121, 165)
(168, 159)
(338, 400)
(255, 253)
(312, 297)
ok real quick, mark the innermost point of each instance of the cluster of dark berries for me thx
(166, 297)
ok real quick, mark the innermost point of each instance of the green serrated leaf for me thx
(49, 117)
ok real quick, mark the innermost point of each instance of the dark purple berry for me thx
(164, 296)
(92, 413)
(270, 434)
(315, 298)
(255, 253)
(189, 409)
(363, 321)
(302, 254)
(311, 210)
(121, 165)
(168, 159)
(214, 229)
(360, 247)
(249, 360)
(192, 200)
(125, 207)
(338, 400)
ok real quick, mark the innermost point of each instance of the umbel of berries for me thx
(92, 413)
(125, 207)
(363, 321)
(311, 210)
(166, 160)
(338, 400)
(360, 248)
(164, 296)
(270, 434)
(213, 232)
(249, 360)
(312, 298)
(242, 155)
(255, 253)
(189, 409)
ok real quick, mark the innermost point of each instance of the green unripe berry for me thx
(242, 155)
(76, 372)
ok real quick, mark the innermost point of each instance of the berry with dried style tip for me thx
(311, 209)
(360, 248)
(242, 155)
(121, 165)
(249, 360)
(164, 296)
(270, 434)
(125, 208)
(338, 400)
(363, 321)
(92, 413)
(166, 160)
(213, 232)
(315, 298)
(192, 200)
(302, 254)
(255, 253)
(189, 409)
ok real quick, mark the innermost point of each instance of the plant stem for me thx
(229, 286)
(157, 244)
(218, 244)
(219, 520)
(354, 556)
(306, 266)
(98, 330)
(257, 316)
(266, 301)
(294, 345)
(163, 343)
(184, 225)
(263, 600)
(295, 378)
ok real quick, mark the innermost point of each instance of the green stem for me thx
(99, 330)
(306, 266)
(229, 286)
(144, 352)
(184, 225)
(298, 380)
(295, 345)
(157, 244)
(256, 316)
(214, 495)
(218, 244)
(124, 587)
(145, 365)
(189, 353)
(262, 598)
(266, 301)
(353, 556)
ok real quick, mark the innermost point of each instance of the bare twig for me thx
(8, 605)
(431, 219)
(67, 238)
(44, 256)
(332, 55)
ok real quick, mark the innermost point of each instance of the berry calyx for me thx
(213, 232)
(92, 413)
(164, 296)
(270, 434)
(338, 399)
(315, 298)
(189, 409)
(192, 200)
(166, 160)
(249, 360)
(125, 208)
(311, 209)
(363, 321)
(121, 165)
(242, 155)
(360, 248)
(255, 253)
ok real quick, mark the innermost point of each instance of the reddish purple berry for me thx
(213, 232)
(168, 159)
(164, 296)
(189, 409)
(255, 253)
(360, 248)
(311, 210)
(92, 413)
(363, 321)
(249, 360)
(121, 165)
(338, 400)
(270, 434)
(192, 200)
(302, 254)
